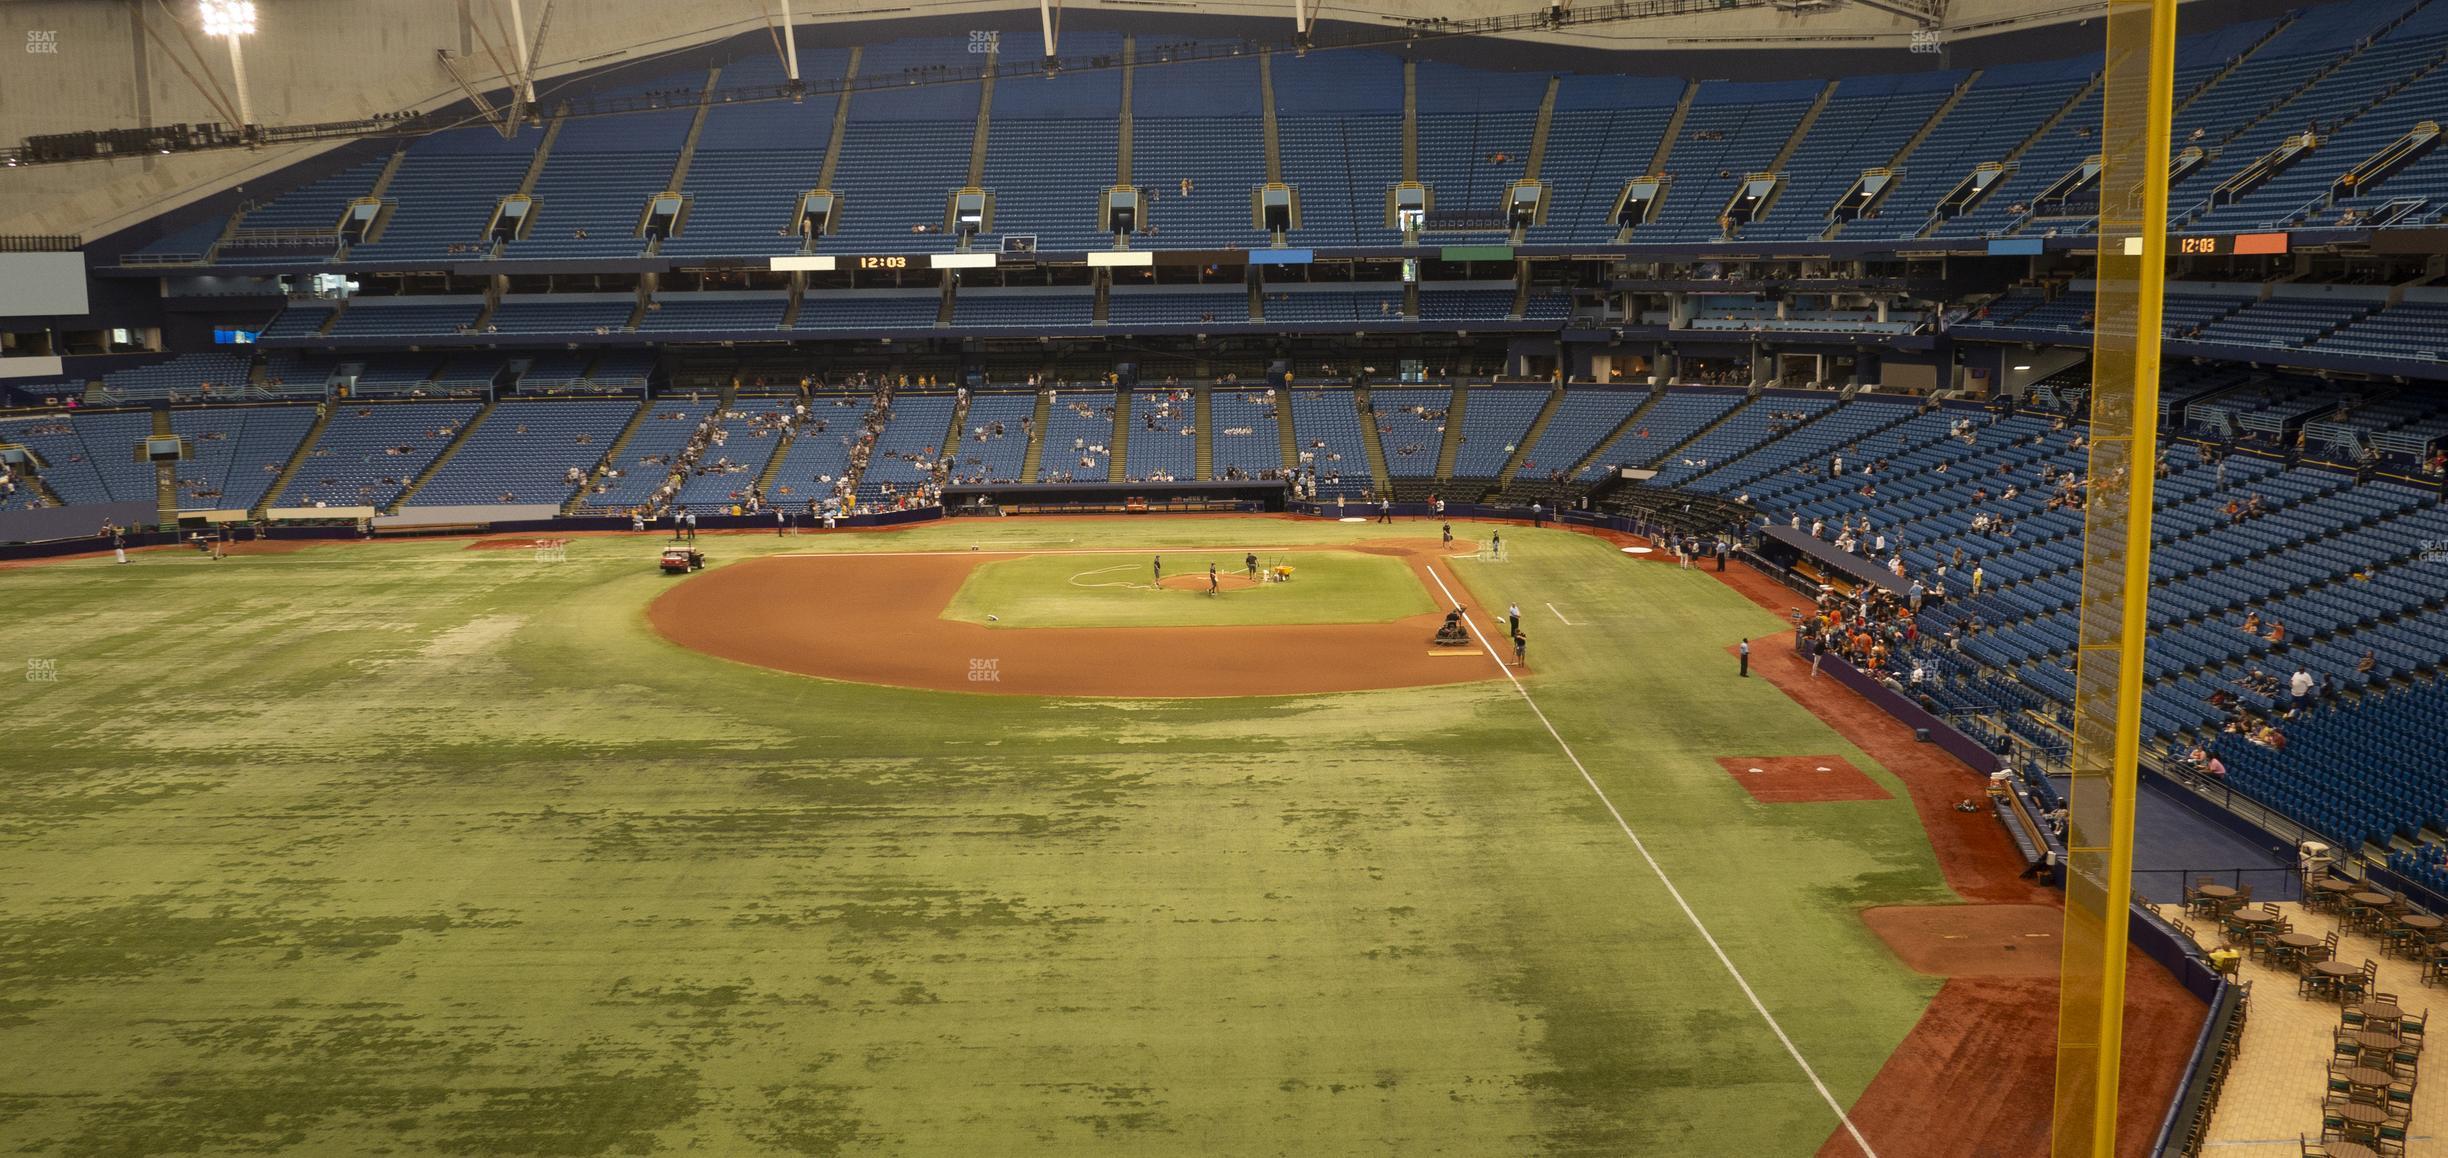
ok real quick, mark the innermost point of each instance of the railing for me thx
(40, 242)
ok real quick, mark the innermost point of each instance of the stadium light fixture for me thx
(232, 20)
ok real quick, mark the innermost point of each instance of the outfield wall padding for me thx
(51, 524)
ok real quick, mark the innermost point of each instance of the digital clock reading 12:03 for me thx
(883, 263)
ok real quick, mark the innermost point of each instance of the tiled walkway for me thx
(2273, 1092)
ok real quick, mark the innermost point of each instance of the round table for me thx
(2349, 1150)
(2420, 922)
(2336, 969)
(2374, 1041)
(2216, 892)
(2300, 941)
(2252, 917)
(2375, 1011)
(2368, 1077)
(2366, 1115)
(2334, 885)
(2375, 900)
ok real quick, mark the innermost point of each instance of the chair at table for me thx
(2410, 1027)
(2309, 1150)
(2314, 983)
(2359, 986)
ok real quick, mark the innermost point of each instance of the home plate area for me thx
(1801, 779)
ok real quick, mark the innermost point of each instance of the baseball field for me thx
(413, 848)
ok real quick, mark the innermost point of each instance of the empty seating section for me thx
(1837, 426)
(523, 452)
(235, 453)
(2291, 322)
(1167, 307)
(561, 314)
(1474, 142)
(2056, 153)
(1494, 419)
(907, 450)
(1766, 419)
(994, 438)
(1676, 417)
(1338, 125)
(1078, 437)
(1246, 441)
(188, 243)
(1996, 114)
(466, 373)
(896, 176)
(1862, 127)
(370, 451)
(1465, 305)
(1051, 147)
(315, 206)
(1163, 437)
(753, 162)
(1580, 424)
(714, 311)
(750, 431)
(2408, 330)
(395, 373)
(1603, 134)
(289, 372)
(444, 193)
(1411, 429)
(2321, 50)
(619, 370)
(185, 377)
(1198, 121)
(2400, 65)
(405, 317)
(591, 198)
(869, 310)
(1031, 309)
(1052, 143)
(1733, 128)
(1326, 425)
(298, 320)
(1303, 305)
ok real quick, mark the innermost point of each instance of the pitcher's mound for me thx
(1972, 940)
(1198, 582)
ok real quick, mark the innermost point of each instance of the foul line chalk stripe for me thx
(1654, 867)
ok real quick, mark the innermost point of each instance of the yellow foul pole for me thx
(2136, 108)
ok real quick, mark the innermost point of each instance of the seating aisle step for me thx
(612, 454)
(297, 459)
(433, 468)
(1630, 423)
(1381, 479)
(1203, 414)
(1035, 454)
(1117, 460)
(1453, 431)
(1530, 437)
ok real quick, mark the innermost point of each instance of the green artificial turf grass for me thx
(406, 848)
(1117, 590)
